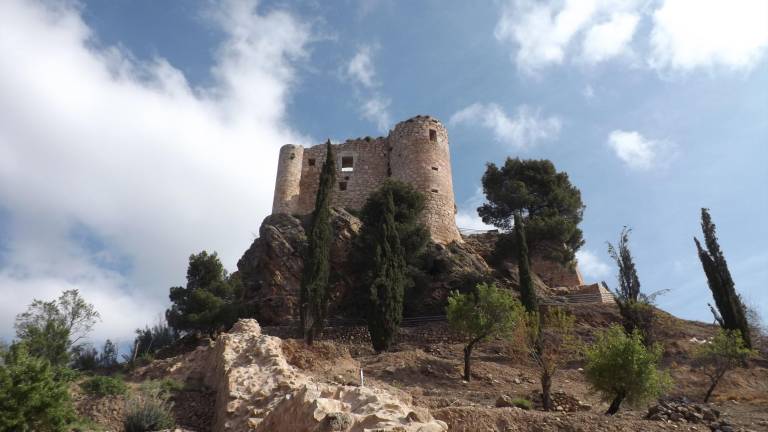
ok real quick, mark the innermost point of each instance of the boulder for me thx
(258, 391)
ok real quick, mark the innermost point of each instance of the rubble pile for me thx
(683, 410)
(561, 401)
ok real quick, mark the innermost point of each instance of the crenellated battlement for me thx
(415, 151)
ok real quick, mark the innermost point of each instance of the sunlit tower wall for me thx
(288, 179)
(420, 156)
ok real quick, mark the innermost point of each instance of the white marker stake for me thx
(362, 380)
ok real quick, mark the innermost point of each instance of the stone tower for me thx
(415, 152)
(288, 178)
(420, 156)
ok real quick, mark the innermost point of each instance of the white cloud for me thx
(638, 152)
(376, 109)
(94, 141)
(360, 67)
(588, 92)
(611, 38)
(679, 35)
(526, 129)
(542, 32)
(701, 33)
(467, 217)
(374, 106)
(591, 266)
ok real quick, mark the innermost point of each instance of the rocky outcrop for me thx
(257, 390)
(446, 268)
(272, 267)
(550, 273)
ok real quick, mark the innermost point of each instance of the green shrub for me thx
(31, 398)
(170, 385)
(84, 424)
(620, 367)
(522, 403)
(104, 386)
(148, 410)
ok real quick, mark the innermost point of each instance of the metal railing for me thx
(470, 231)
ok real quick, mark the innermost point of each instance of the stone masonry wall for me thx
(287, 188)
(416, 151)
(369, 169)
(420, 156)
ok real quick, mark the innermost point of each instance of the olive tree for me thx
(716, 357)
(481, 314)
(620, 368)
(550, 341)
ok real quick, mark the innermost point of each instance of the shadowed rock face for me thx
(271, 269)
(257, 390)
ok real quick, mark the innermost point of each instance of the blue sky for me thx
(135, 133)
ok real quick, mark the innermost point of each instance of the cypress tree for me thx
(314, 283)
(388, 284)
(720, 282)
(527, 291)
(629, 283)
(634, 306)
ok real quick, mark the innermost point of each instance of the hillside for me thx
(260, 376)
(424, 372)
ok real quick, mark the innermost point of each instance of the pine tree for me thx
(388, 285)
(209, 303)
(314, 284)
(720, 282)
(527, 291)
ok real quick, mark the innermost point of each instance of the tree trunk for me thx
(546, 385)
(615, 404)
(467, 355)
(711, 389)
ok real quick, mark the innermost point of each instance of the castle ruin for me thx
(415, 152)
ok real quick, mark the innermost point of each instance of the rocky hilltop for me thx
(271, 270)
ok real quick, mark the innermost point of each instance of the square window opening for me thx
(342, 186)
(434, 168)
(347, 163)
(434, 191)
(433, 135)
(311, 162)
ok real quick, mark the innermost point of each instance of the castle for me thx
(415, 152)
